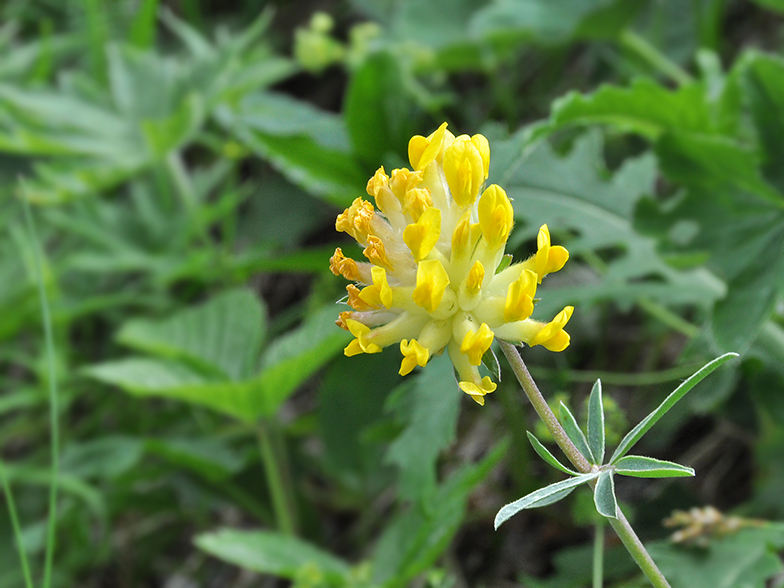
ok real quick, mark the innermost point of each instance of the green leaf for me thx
(542, 497)
(604, 495)
(577, 194)
(646, 108)
(378, 113)
(638, 466)
(267, 552)
(575, 433)
(223, 334)
(596, 422)
(776, 5)
(545, 454)
(420, 534)
(644, 426)
(436, 406)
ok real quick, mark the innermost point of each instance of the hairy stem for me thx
(598, 555)
(621, 526)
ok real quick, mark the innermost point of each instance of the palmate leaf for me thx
(644, 426)
(543, 496)
(638, 466)
(576, 193)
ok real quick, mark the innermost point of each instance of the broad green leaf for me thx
(646, 108)
(748, 558)
(541, 497)
(223, 334)
(596, 422)
(638, 466)
(306, 155)
(171, 379)
(267, 552)
(545, 454)
(604, 495)
(576, 193)
(575, 433)
(419, 534)
(378, 112)
(105, 457)
(436, 406)
(644, 426)
(294, 357)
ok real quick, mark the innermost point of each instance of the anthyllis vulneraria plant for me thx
(436, 275)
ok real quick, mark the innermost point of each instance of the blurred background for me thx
(184, 162)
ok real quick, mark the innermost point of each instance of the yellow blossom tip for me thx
(520, 294)
(376, 252)
(379, 292)
(483, 146)
(496, 216)
(423, 235)
(552, 336)
(475, 278)
(476, 343)
(360, 344)
(464, 171)
(477, 391)
(378, 182)
(423, 151)
(413, 354)
(431, 283)
(355, 300)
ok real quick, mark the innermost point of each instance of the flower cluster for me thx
(434, 249)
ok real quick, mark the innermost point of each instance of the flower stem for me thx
(621, 526)
(598, 555)
(54, 411)
(272, 470)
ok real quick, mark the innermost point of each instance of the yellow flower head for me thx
(433, 247)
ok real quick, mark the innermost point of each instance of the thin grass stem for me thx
(9, 498)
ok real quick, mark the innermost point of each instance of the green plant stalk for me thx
(280, 503)
(51, 535)
(9, 498)
(598, 554)
(651, 55)
(621, 526)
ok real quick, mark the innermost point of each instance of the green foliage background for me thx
(185, 162)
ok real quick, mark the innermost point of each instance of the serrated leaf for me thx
(541, 497)
(224, 334)
(575, 433)
(576, 193)
(644, 426)
(596, 422)
(638, 466)
(267, 552)
(604, 495)
(545, 454)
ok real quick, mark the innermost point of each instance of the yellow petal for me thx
(432, 281)
(413, 354)
(552, 336)
(464, 237)
(423, 235)
(464, 171)
(360, 344)
(379, 292)
(519, 297)
(478, 391)
(476, 276)
(483, 146)
(376, 252)
(340, 265)
(476, 343)
(422, 152)
(496, 216)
